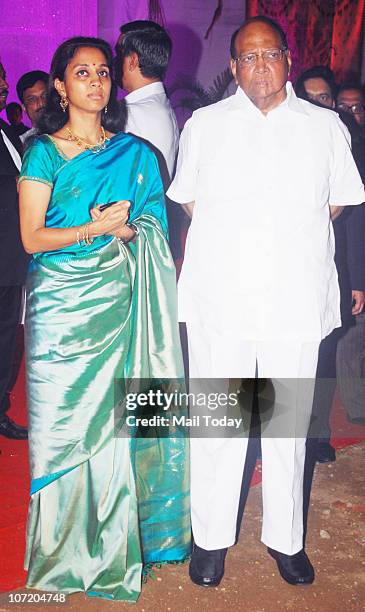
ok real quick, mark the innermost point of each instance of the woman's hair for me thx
(53, 118)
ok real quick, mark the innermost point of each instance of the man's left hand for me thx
(335, 211)
(358, 297)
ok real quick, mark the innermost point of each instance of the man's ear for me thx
(234, 70)
(289, 60)
(133, 62)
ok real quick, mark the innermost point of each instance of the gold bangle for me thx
(83, 234)
(88, 241)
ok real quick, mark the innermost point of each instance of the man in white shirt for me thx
(143, 52)
(32, 92)
(259, 172)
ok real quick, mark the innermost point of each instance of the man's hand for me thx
(336, 211)
(188, 207)
(358, 297)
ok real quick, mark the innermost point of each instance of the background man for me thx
(143, 52)
(350, 99)
(13, 263)
(317, 85)
(351, 345)
(258, 287)
(32, 92)
(14, 114)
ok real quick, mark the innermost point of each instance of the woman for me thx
(100, 306)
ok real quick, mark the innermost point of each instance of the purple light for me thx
(31, 31)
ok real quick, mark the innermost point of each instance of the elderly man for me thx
(259, 173)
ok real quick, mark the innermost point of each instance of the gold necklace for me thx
(80, 142)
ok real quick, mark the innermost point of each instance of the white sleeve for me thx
(346, 187)
(183, 187)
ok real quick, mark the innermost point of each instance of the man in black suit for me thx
(13, 263)
(350, 362)
(318, 86)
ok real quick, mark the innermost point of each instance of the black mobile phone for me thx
(104, 206)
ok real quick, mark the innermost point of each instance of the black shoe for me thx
(295, 569)
(207, 566)
(9, 429)
(325, 453)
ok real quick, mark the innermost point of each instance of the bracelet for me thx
(82, 235)
(88, 241)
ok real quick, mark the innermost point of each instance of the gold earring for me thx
(64, 103)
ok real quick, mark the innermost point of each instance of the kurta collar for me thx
(145, 92)
(241, 101)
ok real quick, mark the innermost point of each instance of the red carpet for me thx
(14, 486)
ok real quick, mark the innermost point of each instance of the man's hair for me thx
(351, 85)
(28, 80)
(259, 19)
(152, 45)
(316, 72)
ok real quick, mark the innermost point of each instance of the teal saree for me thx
(101, 506)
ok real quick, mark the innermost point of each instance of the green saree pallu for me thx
(101, 505)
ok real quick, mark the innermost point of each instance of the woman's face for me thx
(87, 82)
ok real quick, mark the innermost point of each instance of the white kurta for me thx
(259, 253)
(150, 116)
(259, 286)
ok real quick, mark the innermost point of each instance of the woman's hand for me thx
(33, 203)
(109, 220)
(125, 234)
